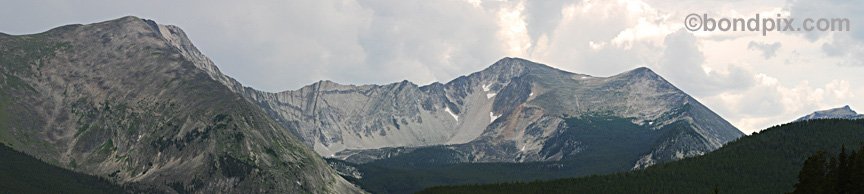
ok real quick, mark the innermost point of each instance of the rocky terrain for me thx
(513, 111)
(135, 102)
(844, 112)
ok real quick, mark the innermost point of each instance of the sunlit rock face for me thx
(513, 111)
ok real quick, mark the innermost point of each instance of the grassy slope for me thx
(767, 162)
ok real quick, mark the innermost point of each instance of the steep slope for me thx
(512, 111)
(767, 162)
(844, 112)
(133, 101)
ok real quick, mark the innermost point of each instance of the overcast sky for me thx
(753, 81)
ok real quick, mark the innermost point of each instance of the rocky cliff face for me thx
(513, 111)
(134, 101)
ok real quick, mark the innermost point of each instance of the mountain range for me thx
(512, 111)
(134, 101)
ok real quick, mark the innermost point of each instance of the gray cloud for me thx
(442, 38)
(543, 17)
(847, 45)
(682, 62)
(569, 47)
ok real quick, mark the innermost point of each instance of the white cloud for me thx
(771, 102)
(513, 29)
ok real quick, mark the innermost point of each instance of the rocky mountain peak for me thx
(127, 24)
(174, 37)
(81, 83)
(640, 72)
(513, 67)
(844, 112)
(847, 109)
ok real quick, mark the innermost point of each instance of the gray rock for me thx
(844, 112)
(134, 101)
(508, 112)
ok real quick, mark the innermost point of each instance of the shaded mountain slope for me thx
(21, 173)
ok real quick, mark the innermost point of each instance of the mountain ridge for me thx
(844, 112)
(515, 110)
(134, 101)
(467, 108)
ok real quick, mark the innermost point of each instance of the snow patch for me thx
(486, 87)
(679, 155)
(493, 117)
(447, 109)
(523, 148)
(531, 94)
(490, 95)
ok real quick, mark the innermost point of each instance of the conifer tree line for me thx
(825, 173)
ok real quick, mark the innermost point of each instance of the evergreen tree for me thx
(856, 171)
(812, 178)
(841, 174)
(831, 178)
(842, 181)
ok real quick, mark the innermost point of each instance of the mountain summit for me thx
(133, 101)
(844, 112)
(515, 110)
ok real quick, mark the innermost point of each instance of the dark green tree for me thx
(812, 178)
(829, 174)
(856, 169)
(842, 172)
(831, 177)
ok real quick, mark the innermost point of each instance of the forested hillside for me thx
(767, 162)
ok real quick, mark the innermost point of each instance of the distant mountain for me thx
(766, 162)
(513, 111)
(844, 112)
(133, 101)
